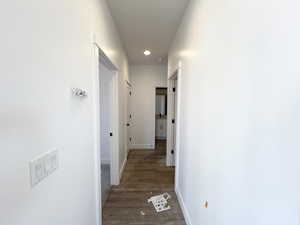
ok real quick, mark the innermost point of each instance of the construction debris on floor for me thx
(160, 202)
(128, 201)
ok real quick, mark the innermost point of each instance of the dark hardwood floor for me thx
(145, 175)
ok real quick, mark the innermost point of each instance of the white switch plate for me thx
(37, 171)
(51, 162)
(43, 166)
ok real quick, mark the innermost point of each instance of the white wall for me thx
(145, 79)
(240, 109)
(46, 49)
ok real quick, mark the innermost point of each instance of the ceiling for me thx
(147, 24)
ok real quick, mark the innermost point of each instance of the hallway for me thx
(87, 86)
(145, 175)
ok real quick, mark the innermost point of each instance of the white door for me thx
(174, 122)
(106, 99)
(128, 120)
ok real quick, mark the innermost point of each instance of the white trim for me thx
(127, 143)
(178, 122)
(115, 176)
(185, 211)
(171, 74)
(96, 120)
(176, 75)
(123, 167)
(142, 146)
(169, 123)
(98, 55)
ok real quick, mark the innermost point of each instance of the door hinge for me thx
(173, 120)
(130, 93)
(111, 134)
(172, 152)
(174, 89)
(130, 139)
(130, 116)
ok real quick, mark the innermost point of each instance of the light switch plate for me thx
(43, 166)
(51, 162)
(37, 171)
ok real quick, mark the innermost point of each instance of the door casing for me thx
(174, 129)
(98, 56)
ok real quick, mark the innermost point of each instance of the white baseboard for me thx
(123, 167)
(183, 207)
(142, 146)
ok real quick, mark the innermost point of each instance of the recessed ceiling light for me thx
(147, 52)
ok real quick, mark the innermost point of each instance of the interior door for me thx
(105, 128)
(128, 117)
(175, 122)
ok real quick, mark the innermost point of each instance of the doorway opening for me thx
(106, 100)
(106, 128)
(161, 111)
(173, 137)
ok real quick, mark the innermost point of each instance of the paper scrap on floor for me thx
(160, 202)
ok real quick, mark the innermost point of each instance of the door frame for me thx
(175, 75)
(127, 143)
(100, 56)
(155, 94)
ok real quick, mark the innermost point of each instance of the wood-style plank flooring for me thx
(145, 175)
